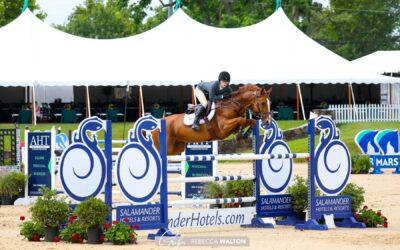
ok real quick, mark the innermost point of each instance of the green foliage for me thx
(356, 28)
(299, 193)
(357, 195)
(92, 212)
(12, 184)
(214, 190)
(120, 233)
(74, 231)
(11, 9)
(242, 188)
(95, 19)
(50, 210)
(31, 231)
(371, 218)
(360, 164)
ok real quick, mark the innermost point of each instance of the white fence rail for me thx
(365, 113)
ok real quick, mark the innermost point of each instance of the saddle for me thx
(189, 113)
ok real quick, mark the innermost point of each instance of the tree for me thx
(11, 9)
(356, 28)
(95, 19)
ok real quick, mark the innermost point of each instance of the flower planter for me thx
(50, 233)
(94, 235)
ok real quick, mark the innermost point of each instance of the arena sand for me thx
(381, 192)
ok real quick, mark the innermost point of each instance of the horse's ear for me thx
(268, 91)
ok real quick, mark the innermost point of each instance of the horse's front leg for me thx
(230, 126)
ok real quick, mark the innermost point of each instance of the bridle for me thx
(256, 114)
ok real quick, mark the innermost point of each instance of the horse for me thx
(229, 117)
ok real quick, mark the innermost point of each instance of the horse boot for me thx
(198, 113)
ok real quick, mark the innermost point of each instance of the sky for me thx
(59, 10)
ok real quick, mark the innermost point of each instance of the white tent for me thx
(383, 62)
(380, 62)
(180, 51)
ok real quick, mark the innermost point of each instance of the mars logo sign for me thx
(382, 146)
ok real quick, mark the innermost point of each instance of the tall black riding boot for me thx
(198, 114)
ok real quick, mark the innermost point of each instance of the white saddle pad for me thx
(188, 119)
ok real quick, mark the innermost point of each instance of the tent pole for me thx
(349, 93)
(33, 106)
(141, 104)
(390, 90)
(297, 104)
(194, 101)
(126, 107)
(301, 100)
(354, 100)
(88, 114)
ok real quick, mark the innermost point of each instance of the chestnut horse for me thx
(230, 115)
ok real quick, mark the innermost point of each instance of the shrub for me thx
(214, 190)
(74, 231)
(239, 188)
(371, 218)
(299, 192)
(32, 231)
(12, 184)
(360, 164)
(120, 233)
(92, 212)
(357, 195)
(49, 210)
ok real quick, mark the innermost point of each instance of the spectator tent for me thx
(180, 51)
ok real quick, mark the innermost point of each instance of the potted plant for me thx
(214, 190)
(240, 188)
(31, 231)
(74, 231)
(299, 193)
(12, 185)
(360, 164)
(371, 218)
(357, 195)
(120, 233)
(92, 213)
(50, 211)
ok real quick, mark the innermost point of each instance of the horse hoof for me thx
(196, 128)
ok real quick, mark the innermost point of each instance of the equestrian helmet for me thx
(224, 76)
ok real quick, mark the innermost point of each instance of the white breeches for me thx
(201, 97)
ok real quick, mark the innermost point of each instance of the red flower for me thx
(79, 240)
(71, 219)
(114, 222)
(22, 218)
(126, 219)
(101, 238)
(384, 218)
(35, 237)
(365, 220)
(132, 235)
(56, 239)
(136, 227)
(379, 213)
(365, 207)
(74, 235)
(130, 226)
(308, 158)
(107, 225)
(356, 215)
(386, 224)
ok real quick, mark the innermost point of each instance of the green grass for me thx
(117, 129)
(348, 131)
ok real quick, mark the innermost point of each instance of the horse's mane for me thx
(245, 88)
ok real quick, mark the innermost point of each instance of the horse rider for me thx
(215, 91)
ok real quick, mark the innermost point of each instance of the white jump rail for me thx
(235, 157)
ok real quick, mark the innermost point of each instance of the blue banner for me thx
(197, 168)
(145, 216)
(39, 162)
(339, 206)
(275, 205)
